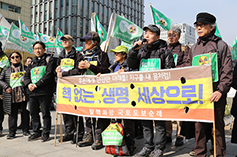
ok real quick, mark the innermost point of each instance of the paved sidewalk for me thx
(20, 147)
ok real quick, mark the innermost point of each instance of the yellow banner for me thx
(174, 94)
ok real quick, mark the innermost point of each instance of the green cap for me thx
(120, 48)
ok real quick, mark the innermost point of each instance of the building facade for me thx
(73, 16)
(12, 9)
(187, 34)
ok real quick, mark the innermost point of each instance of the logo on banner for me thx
(36, 71)
(51, 39)
(99, 26)
(16, 33)
(59, 39)
(36, 37)
(44, 38)
(5, 32)
(24, 39)
(133, 29)
(203, 60)
(25, 29)
(123, 25)
(162, 21)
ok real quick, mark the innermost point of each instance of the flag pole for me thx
(110, 34)
(22, 53)
(55, 134)
(214, 126)
(54, 43)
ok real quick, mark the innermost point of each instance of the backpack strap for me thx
(193, 48)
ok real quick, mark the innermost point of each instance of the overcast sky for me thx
(185, 11)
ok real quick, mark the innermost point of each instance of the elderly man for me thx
(70, 56)
(178, 51)
(209, 42)
(156, 49)
(96, 61)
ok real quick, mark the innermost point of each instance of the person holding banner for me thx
(14, 95)
(39, 79)
(206, 43)
(4, 62)
(96, 61)
(178, 52)
(153, 54)
(67, 65)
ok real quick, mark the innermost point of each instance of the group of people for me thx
(38, 84)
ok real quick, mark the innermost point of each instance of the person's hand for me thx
(31, 87)
(87, 65)
(84, 65)
(215, 96)
(59, 74)
(121, 70)
(140, 43)
(58, 69)
(98, 75)
(9, 90)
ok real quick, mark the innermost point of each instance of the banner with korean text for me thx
(171, 94)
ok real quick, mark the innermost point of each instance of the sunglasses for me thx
(13, 57)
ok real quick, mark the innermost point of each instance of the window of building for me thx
(50, 29)
(10, 7)
(14, 21)
(92, 7)
(50, 10)
(67, 11)
(45, 28)
(61, 3)
(61, 24)
(32, 2)
(55, 26)
(67, 2)
(87, 12)
(40, 28)
(82, 7)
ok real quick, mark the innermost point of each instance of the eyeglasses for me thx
(66, 40)
(171, 35)
(38, 48)
(13, 57)
(200, 24)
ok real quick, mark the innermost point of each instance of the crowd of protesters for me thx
(38, 85)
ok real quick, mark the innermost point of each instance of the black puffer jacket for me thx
(158, 49)
(46, 85)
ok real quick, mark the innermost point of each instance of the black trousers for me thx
(12, 119)
(70, 123)
(44, 103)
(102, 123)
(1, 115)
(158, 140)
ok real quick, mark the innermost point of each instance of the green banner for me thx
(16, 38)
(25, 32)
(205, 59)
(58, 39)
(4, 62)
(17, 79)
(67, 64)
(234, 49)
(129, 46)
(150, 64)
(161, 19)
(112, 135)
(126, 30)
(97, 27)
(37, 73)
(217, 32)
(47, 40)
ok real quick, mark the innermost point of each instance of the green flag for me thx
(25, 32)
(58, 39)
(15, 37)
(3, 34)
(217, 33)
(47, 40)
(97, 27)
(126, 30)
(234, 49)
(160, 19)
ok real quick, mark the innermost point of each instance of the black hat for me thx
(91, 35)
(205, 18)
(153, 28)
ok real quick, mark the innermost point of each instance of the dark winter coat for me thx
(5, 83)
(234, 107)
(77, 57)
(124, 64)
(46, 85)
(158, 49)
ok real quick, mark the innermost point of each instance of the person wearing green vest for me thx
(152, 54)
(39, 79)
(67, 65)
(96, 61)
(4, 62)
(208, 42)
